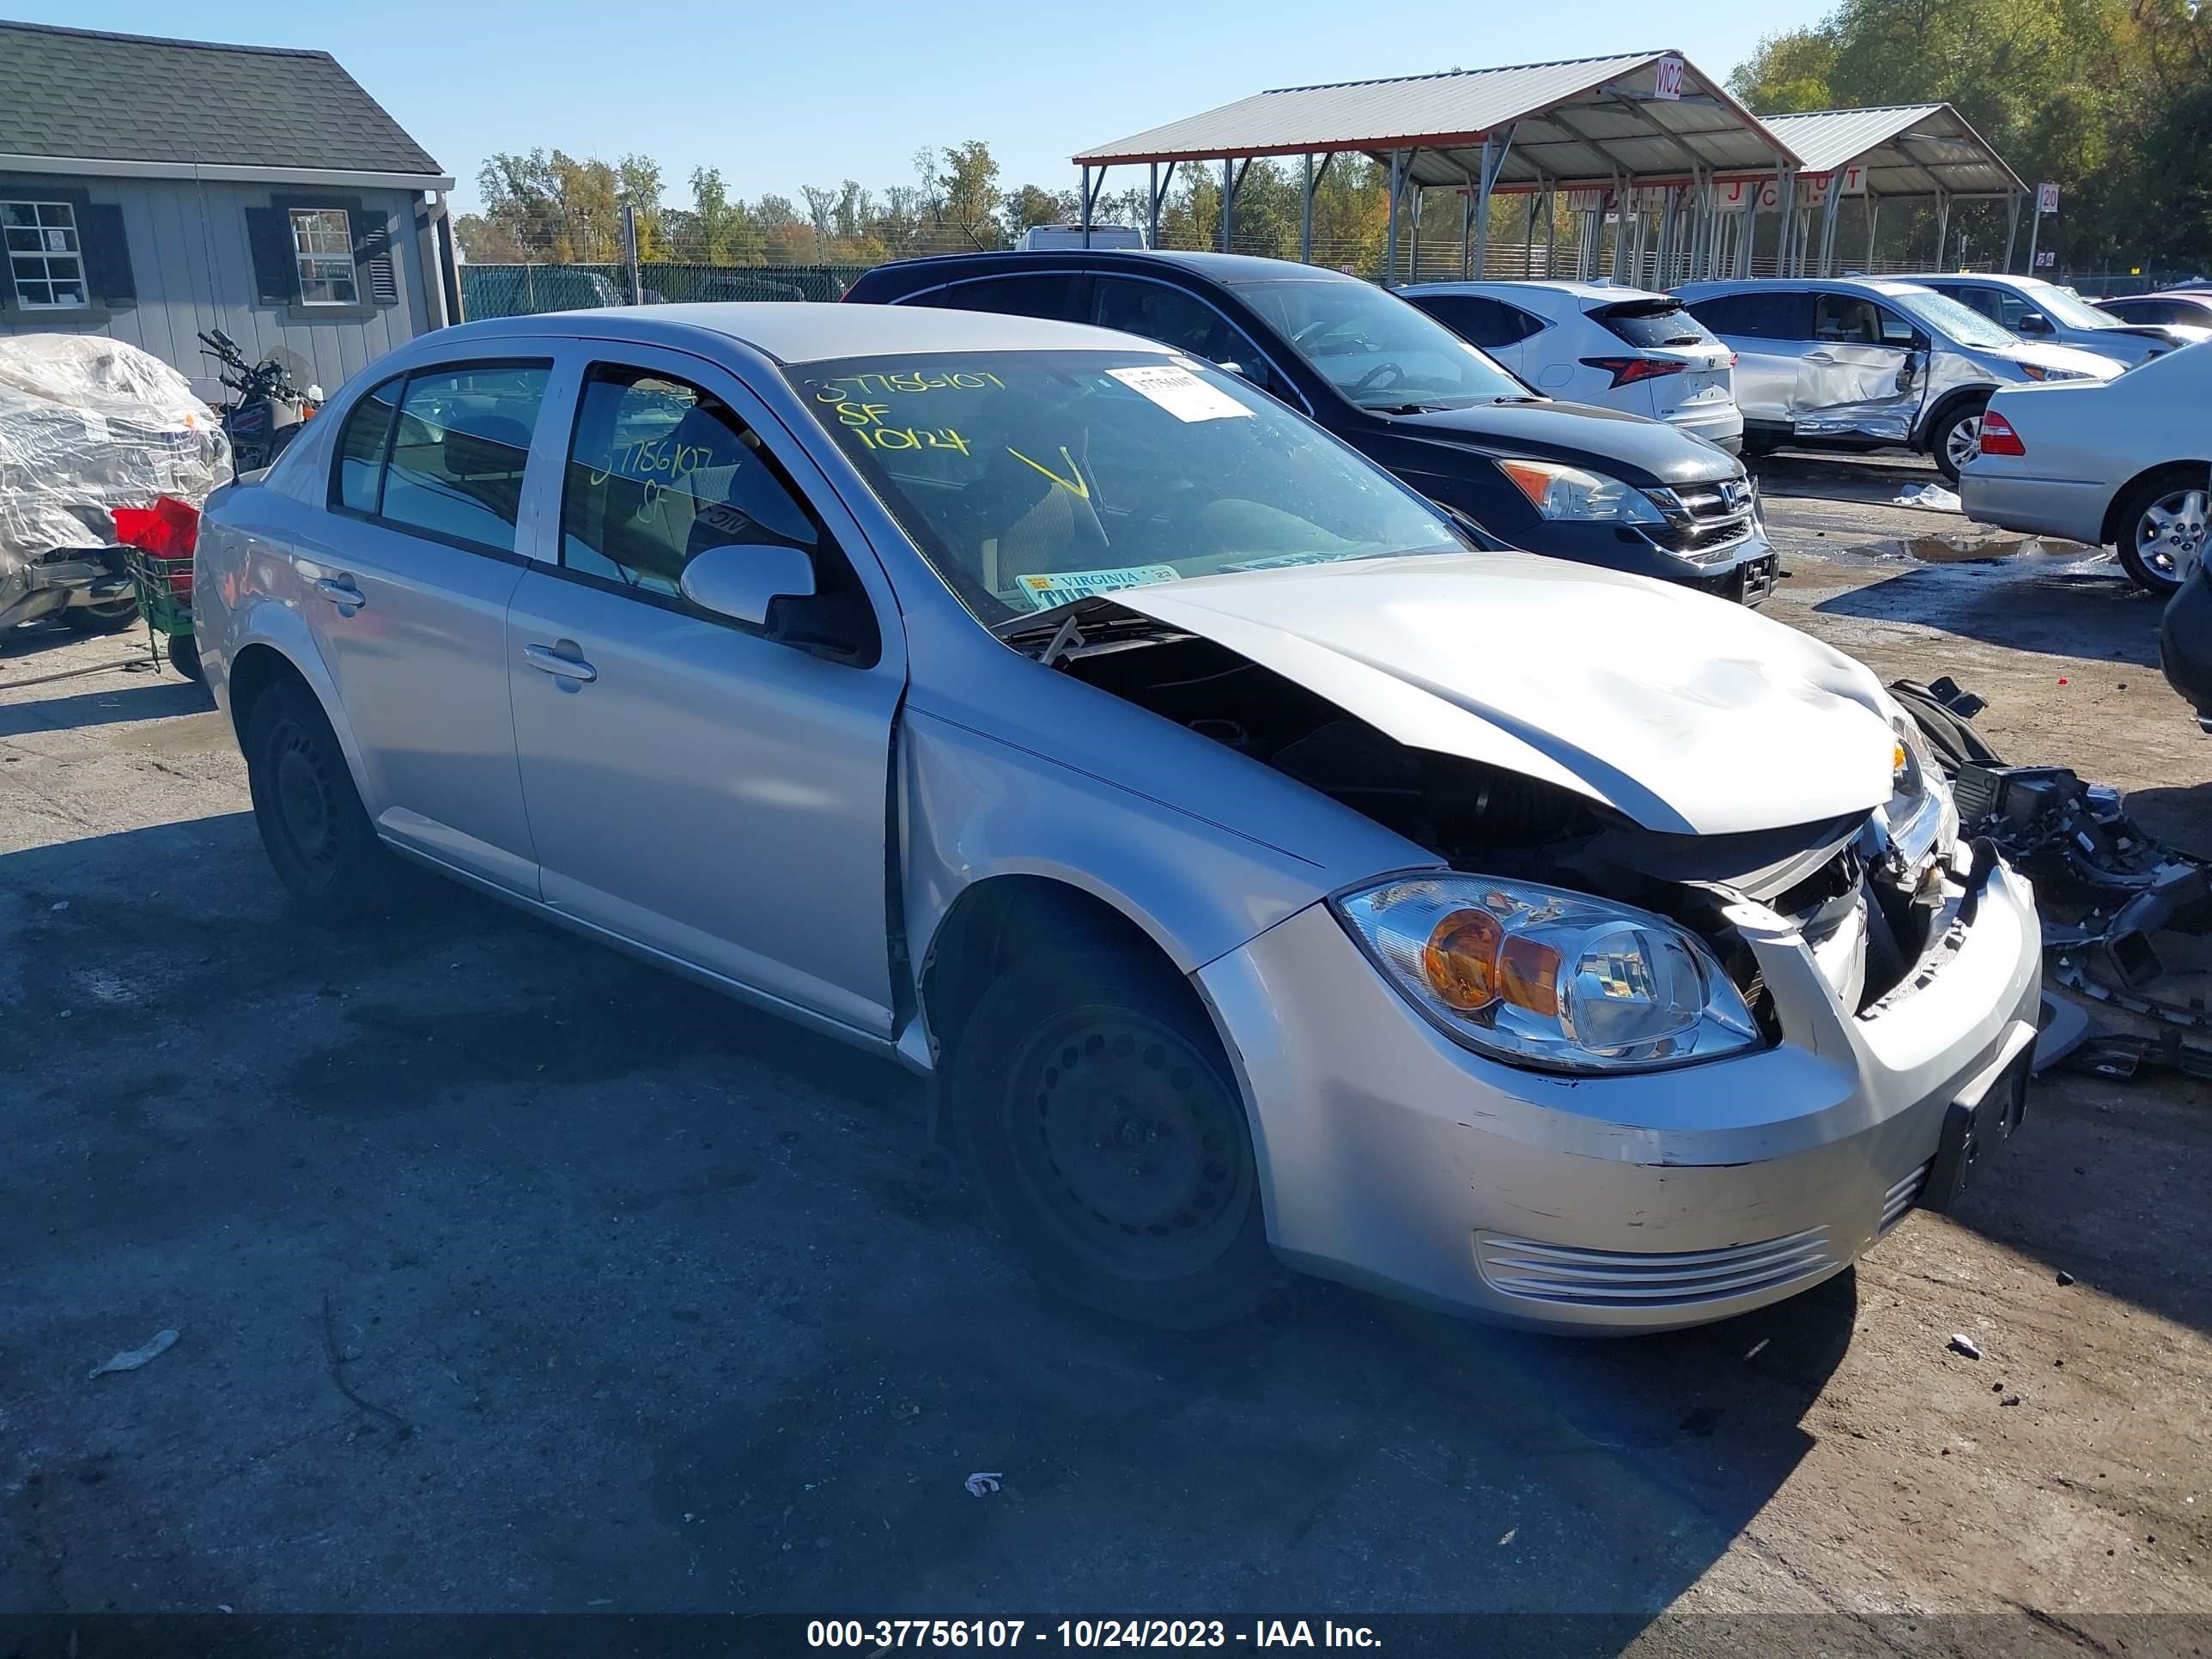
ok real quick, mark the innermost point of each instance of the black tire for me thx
(1957, 438)
(184, 654)
(312, 822)
(112, 617)
(1091, 1100)
(2148, 552)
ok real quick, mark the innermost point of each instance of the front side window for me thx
(658, 471)
(458, 449)
(1028, 478)
(1379, 351)
(46, 261)
(1946, 317)
(1154, 310)
(322, 245)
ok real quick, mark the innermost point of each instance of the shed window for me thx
(44, 259)
(322, 242)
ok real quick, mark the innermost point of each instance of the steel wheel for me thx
(312, 825)
(305, 803)
(1126, 1143)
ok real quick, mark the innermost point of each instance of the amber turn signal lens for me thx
(1461, 960)
(1530, 976)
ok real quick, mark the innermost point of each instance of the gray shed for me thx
(150, 189)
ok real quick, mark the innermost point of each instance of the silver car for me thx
(2047, 315)
(1266, 877)
(1865, 363)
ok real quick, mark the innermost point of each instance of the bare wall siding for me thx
(193, 268)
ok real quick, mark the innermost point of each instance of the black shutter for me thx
(107, 255)
(371, 259)
(275, 266)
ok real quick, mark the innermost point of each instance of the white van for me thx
(1055, 238)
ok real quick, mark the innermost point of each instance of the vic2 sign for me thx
(1667, 81)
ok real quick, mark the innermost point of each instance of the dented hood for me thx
(1686, 713)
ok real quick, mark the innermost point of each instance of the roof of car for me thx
(1598, 293)
(2000, 278)
(1817, 284)
(1217, 267)
(800, 331)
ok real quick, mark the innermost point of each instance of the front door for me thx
(405, 584)
(1861, 375)
(693, 785)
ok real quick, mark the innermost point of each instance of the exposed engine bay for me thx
(1868, 918)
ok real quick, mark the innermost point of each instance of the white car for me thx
(1596, 343)
(2117, 462)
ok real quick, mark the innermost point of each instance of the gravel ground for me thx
(512, 1275)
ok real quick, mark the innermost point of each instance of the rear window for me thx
(1653, 323)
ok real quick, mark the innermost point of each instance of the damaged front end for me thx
(1868, 891)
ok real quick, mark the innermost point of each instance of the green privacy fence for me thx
(527, 290)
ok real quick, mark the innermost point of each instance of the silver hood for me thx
(1685, 713)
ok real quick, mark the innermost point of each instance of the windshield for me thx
(1030, 478)
(2061, 307)
(1945, 316)
(1377, 349)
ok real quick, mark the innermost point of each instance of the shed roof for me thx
(79, 96)
(1584, 120)
(1907, 149)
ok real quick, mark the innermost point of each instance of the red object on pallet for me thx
(167, 531)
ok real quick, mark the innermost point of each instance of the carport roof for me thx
(1907, 149)
(1583, 121)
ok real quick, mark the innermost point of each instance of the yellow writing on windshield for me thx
(1072, 483)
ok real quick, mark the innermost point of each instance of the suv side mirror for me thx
(2033, 322)
(745, 580)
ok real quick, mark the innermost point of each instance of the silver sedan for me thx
(1266, 877)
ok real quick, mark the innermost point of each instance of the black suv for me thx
(1594, 485)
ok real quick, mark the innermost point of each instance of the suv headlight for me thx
(1540, 977)
(1920, 817)
(1558, 491)
(2038, 372)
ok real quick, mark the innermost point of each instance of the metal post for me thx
(629, 253)
(1616, 209)
(1529, 232)
(1413, 236)
(1828, 222)
(1492, 160)
(1152, 208)
(1305, 214)
(1228, 201)
(1944, 230)
(2012, 230)
(2034, 234)
(1747, 237)
(1466, 227)
(1390, 235)
(1663, 260)
(1873, 221)
(1083, 187)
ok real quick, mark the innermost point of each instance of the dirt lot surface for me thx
(512, 1275)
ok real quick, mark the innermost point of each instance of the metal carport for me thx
(1923, 150)
(1639, 133)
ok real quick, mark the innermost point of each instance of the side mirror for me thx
(2033, 322)
(742, 581)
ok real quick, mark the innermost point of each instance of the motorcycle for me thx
(266, 412)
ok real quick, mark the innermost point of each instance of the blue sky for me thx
(781, 95)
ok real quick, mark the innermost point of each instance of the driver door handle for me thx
(1819, 356)
(340, 590)
(553, 662)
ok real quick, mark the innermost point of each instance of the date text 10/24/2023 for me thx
(875, 1635)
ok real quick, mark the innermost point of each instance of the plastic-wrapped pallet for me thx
(89, 424)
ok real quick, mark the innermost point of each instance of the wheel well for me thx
(252, 671)
(1004, 919)
(2182, 470)
(1941, 415)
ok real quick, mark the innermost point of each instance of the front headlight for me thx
(1920, 817)
(1558, 491)
(2038, 372)
(1539, 976)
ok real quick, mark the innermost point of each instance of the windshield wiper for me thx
(1080, 627)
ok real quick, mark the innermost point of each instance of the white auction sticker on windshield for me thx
(1180, 392)
(1045, 591)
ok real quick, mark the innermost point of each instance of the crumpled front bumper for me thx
(1393, 1159)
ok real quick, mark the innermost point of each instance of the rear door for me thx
(405, 584)
(1502, 331)
(1768, 329)
(1859, 375)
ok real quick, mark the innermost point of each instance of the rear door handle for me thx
(340, 590)
(554, 662)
